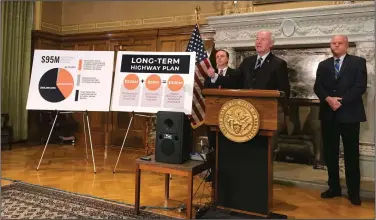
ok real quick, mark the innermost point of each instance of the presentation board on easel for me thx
(149, 82)
(66, 80)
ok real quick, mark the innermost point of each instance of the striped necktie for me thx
(221, 72)
(336, 67)
(258, 64)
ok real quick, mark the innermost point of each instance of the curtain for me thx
(16, 26)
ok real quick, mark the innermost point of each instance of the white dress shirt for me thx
(263, 58)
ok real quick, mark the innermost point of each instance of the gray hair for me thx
(271, 34)
(340, 35)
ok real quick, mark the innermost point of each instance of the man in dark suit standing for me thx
(225, 78)
(340, 83)
(267, 72)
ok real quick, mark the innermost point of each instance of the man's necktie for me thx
(336, 67)
(258, 64)
(221, 72)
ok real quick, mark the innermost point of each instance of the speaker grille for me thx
(168, 124)
(167, 147)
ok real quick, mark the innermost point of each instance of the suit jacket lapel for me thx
(331, 68)
(229, 71)
(266, 64)
(252, 66)
(343, 66)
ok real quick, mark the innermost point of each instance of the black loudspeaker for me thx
(173, 138)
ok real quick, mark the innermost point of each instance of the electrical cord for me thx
(209, 204)
(203, 208)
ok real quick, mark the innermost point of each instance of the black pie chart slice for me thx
(48, 88)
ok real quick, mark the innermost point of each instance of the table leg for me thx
(137, 190)
(190, 195)
(167, 186)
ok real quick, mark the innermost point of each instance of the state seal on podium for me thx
(239, 120)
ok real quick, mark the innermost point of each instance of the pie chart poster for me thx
(71, 80)
(149, 82)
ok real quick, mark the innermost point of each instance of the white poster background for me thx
(118, 87)
(93, 81)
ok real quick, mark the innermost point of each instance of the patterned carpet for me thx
(26, 201)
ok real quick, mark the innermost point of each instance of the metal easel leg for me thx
(125, 137)
(83, 120)
(91, 143)
(48, 139)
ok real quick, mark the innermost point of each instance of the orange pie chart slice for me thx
(65, 82)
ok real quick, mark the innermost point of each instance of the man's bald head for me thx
(264, 42)
(339, 45)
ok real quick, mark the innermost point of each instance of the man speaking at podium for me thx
(244, 166)
(266, 71)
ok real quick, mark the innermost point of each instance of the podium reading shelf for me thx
(244, 166)
(189, 169)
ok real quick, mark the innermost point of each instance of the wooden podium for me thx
(243, 179)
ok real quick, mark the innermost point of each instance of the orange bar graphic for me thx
(79, 64)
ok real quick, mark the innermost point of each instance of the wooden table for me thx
(189, 169)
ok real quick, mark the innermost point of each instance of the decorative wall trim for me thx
(134, 22)
(239, 10)
(270, 2)
(52, 27)
(180, 20)
(111, 24)
(69, 28)
(367, 149)
(158, 20)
